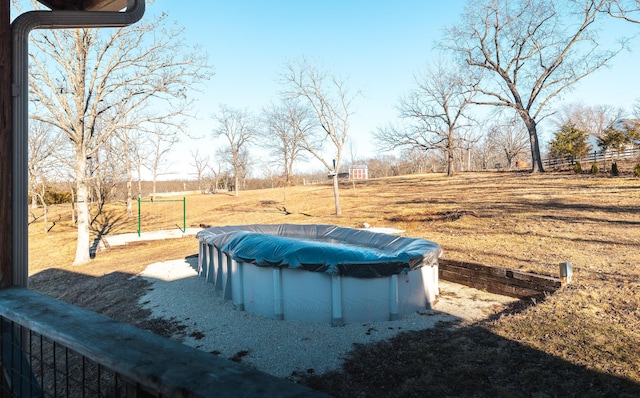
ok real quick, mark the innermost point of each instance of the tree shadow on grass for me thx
(115, 295)
(107, 222)
(463, 362)
(102, 224)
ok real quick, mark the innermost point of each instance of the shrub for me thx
(614, 170)
(594, 169)
(577, 168)
(53, 197)
(636, 170)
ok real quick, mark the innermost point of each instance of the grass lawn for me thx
(583, 340)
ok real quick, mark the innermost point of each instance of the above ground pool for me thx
(319, 273)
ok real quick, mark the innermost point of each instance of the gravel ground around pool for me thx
(278, 347)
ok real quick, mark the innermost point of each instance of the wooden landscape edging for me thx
(497, 280)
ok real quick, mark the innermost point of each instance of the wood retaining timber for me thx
(498, 280)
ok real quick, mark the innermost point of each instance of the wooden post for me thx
(6, 246)
(566, 272)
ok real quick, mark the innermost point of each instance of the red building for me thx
(358, 172)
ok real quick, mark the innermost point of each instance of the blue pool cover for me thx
(323, 248)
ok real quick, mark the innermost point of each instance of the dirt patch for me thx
(115, 295)
(446, 216)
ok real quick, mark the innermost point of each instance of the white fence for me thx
(593, 157)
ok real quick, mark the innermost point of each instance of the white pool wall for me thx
(299, 295)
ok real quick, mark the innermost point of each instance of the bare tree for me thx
(201, 163)
(162, 142)
(469, 139)
(489, 153)
(245, 161)
(592, 119)
(432, 113)
(509, 138)
(133, 154)
(90, 81)
(417, 160)
(43, 144)
(213, 177)
(272, 177)
(527, 52)
(129, 149)
(628, 10)
(140, 153)
(329, 99)
(240, 129)
(105, 171)
(385, 165)
(288, 123)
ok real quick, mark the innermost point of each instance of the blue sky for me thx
(377, 45)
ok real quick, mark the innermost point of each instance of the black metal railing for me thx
(53, 349)
(34, 365)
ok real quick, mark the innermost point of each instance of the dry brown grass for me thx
(582, 341)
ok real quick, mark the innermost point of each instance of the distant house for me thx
(358, 172)
(631, 124)
(620, 125)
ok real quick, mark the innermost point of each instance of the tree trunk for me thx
(450, 155)
(509, 157)
(336, 194)
(536, 159)
(139, 180)
(129, 198)
(44, 209)
(127, 162)
(235, 187)
(73, 207)
(41, 196)
(450, 162)
(82, 248)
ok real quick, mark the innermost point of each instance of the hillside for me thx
(580, 341)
